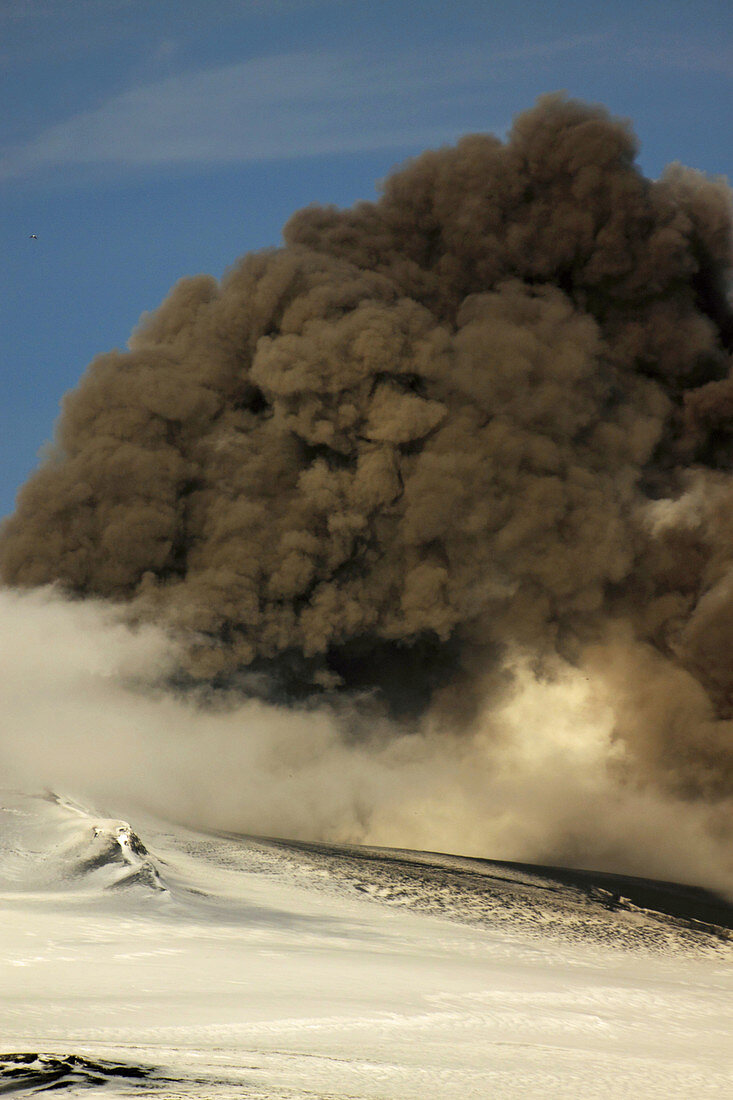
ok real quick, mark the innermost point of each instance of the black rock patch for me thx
(34, 1073)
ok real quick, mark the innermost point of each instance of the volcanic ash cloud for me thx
(488, 414)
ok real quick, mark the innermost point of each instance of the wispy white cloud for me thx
(675, 52)
(287, 105)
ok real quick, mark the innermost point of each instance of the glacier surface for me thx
(143, 958)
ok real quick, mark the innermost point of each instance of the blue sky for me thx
(144, 140)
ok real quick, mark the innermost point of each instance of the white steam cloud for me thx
(540, 778)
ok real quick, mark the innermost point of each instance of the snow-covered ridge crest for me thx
(50, 842)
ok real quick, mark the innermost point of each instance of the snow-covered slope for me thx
(50, 843)
(145, 959)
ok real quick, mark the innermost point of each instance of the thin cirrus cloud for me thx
(683, 55)
(287, 105)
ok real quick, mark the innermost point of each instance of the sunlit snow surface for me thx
(141, 959)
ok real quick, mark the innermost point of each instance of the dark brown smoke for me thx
(491, 409)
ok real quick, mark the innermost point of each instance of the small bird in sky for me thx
(33, 237)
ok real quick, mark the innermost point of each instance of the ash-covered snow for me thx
(242, 967)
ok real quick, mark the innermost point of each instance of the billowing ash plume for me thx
(491, 409)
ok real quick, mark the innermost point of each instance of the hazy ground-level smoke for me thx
(538, 778)
(481, 422)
